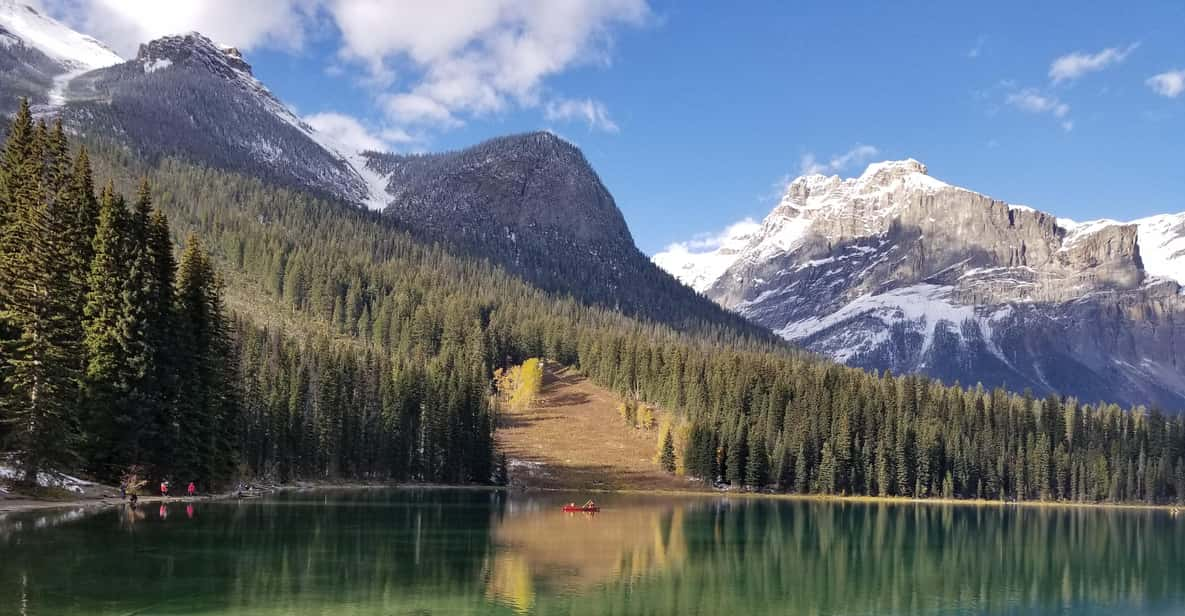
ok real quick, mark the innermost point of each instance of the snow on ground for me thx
(54, 39)
(47, 480)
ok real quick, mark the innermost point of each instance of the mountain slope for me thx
(181, 96)
(534, 205)
(897, 270)
(39, 55)
(185, 96)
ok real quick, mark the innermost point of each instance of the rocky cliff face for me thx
(897, 270)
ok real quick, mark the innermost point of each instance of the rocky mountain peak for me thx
(192, 48)
(892, 169)
(896, 270)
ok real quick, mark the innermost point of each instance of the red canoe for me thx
(575, 509)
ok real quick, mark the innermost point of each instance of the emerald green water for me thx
(421, 552)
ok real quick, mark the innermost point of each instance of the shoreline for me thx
(18, 504)
(884, 500)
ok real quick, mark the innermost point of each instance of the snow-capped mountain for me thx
(897, 270)
(180, 96)
(186, 96)
(39, 55)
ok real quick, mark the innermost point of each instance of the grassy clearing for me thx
(573, 438)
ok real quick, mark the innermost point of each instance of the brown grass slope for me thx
(573, 438)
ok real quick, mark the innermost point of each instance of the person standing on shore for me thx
(164, 487)
(192, 490)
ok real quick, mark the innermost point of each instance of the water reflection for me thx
(457, 551)
(542, 551)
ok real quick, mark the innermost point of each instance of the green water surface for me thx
(421, 552)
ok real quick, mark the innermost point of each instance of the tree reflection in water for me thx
(476, 551)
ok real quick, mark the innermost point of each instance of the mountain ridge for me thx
(894, 269)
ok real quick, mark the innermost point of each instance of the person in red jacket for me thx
(192, 489)
(164, 488)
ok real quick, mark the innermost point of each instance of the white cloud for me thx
(706, 242)
(858, 154)
(473, 58)
(431, 63)
(1074, 65)
(124, 24)
(1032, 101)
(1168, 83)
(351, 135)
(418, 109)
(587, 110)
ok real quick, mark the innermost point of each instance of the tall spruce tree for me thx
(111, 435)
(40, 367)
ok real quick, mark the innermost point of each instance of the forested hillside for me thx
(357, 351)
(754, 412)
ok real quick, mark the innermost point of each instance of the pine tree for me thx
(738, 455)
(757, 467)
(195, 420)
(666, 455)
(111, 441)
(161, 337)
(208, 409)
(40, 363)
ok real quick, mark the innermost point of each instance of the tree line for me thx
(331, 281)
(98, 322)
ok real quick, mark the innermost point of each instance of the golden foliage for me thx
(519, 386)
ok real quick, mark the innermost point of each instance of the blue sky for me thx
(694, 114)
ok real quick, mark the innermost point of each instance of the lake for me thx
(422, 552)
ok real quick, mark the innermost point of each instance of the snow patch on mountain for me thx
(377, 197)
(1162, 245)
(76, 51)
(1161, 239)
(927, 306)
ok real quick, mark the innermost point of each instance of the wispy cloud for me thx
(350, 135)
(1031, 100)
(707, 242)
(977, 49)
(591, 112)
(1074, 65)
(1169, 83)
(810, 164)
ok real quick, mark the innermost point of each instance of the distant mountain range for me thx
(891, 270)
(897, 270)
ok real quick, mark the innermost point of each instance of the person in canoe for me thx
(591, 504)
